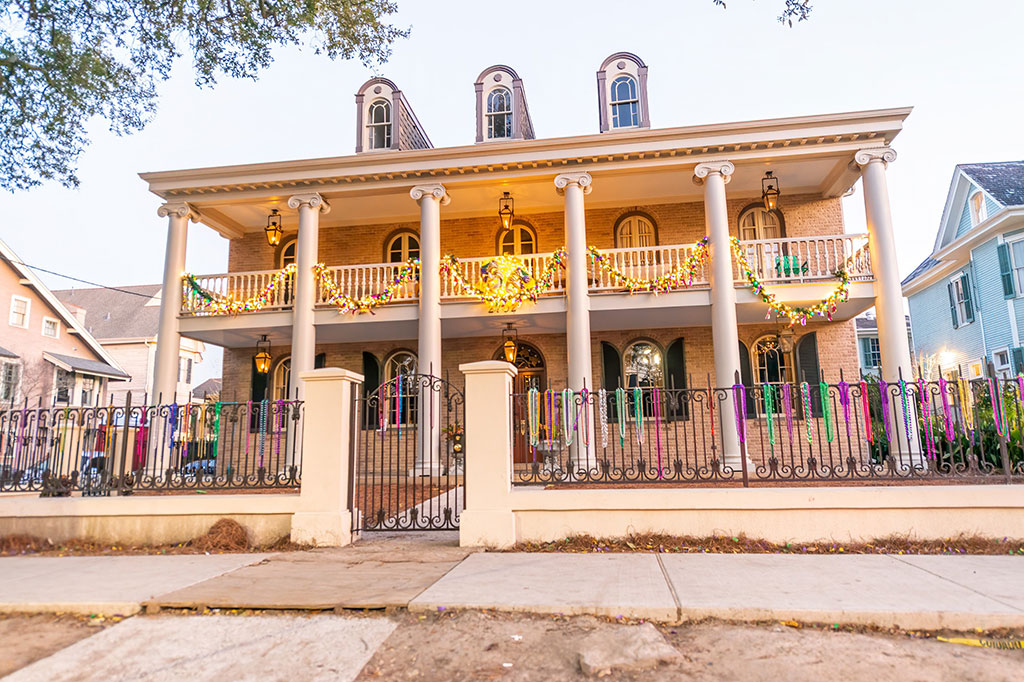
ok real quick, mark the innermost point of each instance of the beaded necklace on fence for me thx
(869, 433)
(584, 411)
(620, 413)
(947, 411)
(998, 407)
(567, 431)
(929, 437)
(844, 402)
(966, 407)
(656, 397)
(739, 396)
(905, 400)
(549, 422)
(602, 396)
(248, 413)
(883, 392)
(769, 413)
(638, 414)
(805, 401)
(826, 411)
(533, 416)
(280, 423)
(263, 429)
(787, 403)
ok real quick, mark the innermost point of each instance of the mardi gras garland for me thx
(506, 283)
(826, 307)
(679, 276)
(332, 293)
(202, 300)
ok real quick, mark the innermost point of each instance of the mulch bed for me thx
(741, 544)
(226, 536)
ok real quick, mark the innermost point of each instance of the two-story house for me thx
(967, 297)
(124, 320)
(46, 356)
(383, 261)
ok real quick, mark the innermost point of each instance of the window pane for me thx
(1018, 253)
(644, 365)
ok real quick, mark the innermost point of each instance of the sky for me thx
(958, 64)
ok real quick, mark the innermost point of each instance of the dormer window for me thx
(499, 113)
(622, 93)
(380, 124)
(979, 211)
(384, 119)
(625, 103)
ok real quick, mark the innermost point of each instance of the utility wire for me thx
(83, 281)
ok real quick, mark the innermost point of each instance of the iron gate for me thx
(408, 458)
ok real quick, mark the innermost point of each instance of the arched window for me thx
(379, 124)
(625, 103)
(635, 231)
(518, 240)
(401, 362)
(499, 113)
(287, 254)
(757, 223)
(402, 247)
(282, 382)
(643, 365)
(773, 366)
(979, 211)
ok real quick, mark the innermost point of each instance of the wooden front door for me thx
(531, 374)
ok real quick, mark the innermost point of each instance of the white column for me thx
(892, 325)
(574, 186)
(310, 207)
(714, 176)
(168, 340)
(430, 199)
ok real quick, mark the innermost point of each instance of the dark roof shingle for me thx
(112, 314)
(926, 265)
(87, 366)
(1003, 180)
(4, 353)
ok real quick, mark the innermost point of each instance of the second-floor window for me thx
(625, 103)
(757, 223)
(185, 370)
(19, 312)
(51, 327)
(380, 124)
(635, 232)
(499, 113)
(517, 241)
(871, 351)
(961, 307)
(403, 247)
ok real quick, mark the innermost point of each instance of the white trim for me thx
(1009, 359)
(56, 323)
(28, 312)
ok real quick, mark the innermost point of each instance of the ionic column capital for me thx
(313, 200)
(579, 178)
(180, 209)
(703, 170)
(885, 155)
(434, 191)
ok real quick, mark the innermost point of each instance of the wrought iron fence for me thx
(862, 431)
(149, 448)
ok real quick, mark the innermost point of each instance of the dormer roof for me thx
(494, 78)
(405, 131)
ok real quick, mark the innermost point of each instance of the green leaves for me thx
(64, 62)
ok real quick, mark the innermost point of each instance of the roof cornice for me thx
(766, 136)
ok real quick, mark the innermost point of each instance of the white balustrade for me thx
(647, 262)
(807, 259)
(241, 286)
(357, 281)
(535, 263)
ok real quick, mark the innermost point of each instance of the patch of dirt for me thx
(25, 639)
(226, 536)
(741, 544)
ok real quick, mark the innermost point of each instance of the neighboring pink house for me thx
(45, 353)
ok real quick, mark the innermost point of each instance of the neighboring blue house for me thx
(967, 298)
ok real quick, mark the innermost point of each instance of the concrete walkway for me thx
(927, 592)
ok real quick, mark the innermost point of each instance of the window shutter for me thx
(952, 304)
(1005, 270)
(809, 369)
(1017, 355)
(865, 352)
(965, 284)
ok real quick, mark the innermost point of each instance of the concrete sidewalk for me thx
(926, 592)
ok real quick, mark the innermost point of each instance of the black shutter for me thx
(611, 370)
(675, 369)
(952, 305)
(1018, 359)
(320, 361)
(965, 284)
(371, 381)
(746, 376)
(808, 369)
(1005, 270)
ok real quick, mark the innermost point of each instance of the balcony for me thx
(799, 270)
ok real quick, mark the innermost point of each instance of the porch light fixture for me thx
(274, 228)
(511, 343)
(787, 340)
(263, 355)
(770, 191)
(506, 210)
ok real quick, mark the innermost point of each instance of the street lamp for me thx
(511, 342)
(263, 355)
(274, 228)
(506, 210)
(770, 191)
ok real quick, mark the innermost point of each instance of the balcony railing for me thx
(535, 263)
(799, 260)
(646, 262)
(807, 259)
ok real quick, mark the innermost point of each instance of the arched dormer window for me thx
(379, 124)
(979, 211)
(625, 103)
(622, 93)
(517, 241)
(499, 114)
(402, 247)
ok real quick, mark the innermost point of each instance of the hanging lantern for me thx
(506, 210)
(787, 340)
(511, 342)
(274, 228)
(263, 355)
(770, 191)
